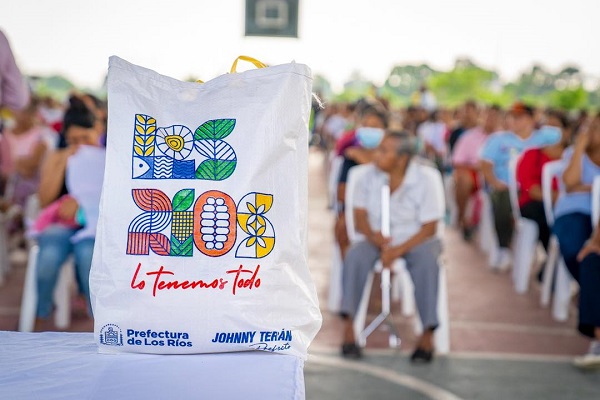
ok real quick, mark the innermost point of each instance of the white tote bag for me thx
(201, 243)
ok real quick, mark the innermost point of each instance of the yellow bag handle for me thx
(254, 61)
(257, 64)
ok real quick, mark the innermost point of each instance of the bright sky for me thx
(201, 38)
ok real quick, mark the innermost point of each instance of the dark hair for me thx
(76, 115)
(409, 144)
(377, 111)
(96, 100)
(471, 103)
(560, 116)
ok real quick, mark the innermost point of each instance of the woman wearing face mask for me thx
(369, 132)
(529, 176)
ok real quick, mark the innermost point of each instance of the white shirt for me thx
(433, 133)
(417, 201)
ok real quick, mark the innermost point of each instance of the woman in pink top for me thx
(24, 148)
(465, 160)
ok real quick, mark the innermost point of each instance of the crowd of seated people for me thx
(474, 145)
(36, 144)
(409, 149)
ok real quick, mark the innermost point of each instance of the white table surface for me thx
(56, 365)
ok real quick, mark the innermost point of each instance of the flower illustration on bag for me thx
(251, 218)
(176, 141)
(256, 225)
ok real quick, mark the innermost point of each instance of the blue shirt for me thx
(501, 146)
(577, 202)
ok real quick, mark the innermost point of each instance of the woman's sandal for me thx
(421, 356)
(351, 350)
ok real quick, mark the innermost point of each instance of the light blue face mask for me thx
(369, 138)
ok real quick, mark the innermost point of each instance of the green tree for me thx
(55, 86)
(465, 81)
(404, 80)
(569, 99)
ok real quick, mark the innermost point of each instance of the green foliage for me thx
(569, 99)
(404, 80)
(467, 80)
(54, 86)
(462, 83)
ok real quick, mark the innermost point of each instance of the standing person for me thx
(14, 93)
(495, 158)
(425, 99)
(465, 161)
(432, 133)
(416, 208)
(55, 240)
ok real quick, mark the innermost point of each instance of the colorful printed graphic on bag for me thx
(174, 227)
(175, 152)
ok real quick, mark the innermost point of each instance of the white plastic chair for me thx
(555, 268)
(335, 167)
(450, 193)
(334, 298)
(488, 240)
(400, 285)
(4, 260)
(525, 240)
(596, 201)
(62, 291)
(5, 218)
(335, 278)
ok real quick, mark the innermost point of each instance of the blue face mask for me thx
(369, 138)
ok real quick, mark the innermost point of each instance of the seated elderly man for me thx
(416, 208)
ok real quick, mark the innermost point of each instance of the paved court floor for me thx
(503, 345)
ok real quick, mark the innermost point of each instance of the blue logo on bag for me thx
(171, 152)
(111, 335)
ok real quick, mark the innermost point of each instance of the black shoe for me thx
(467, 234)
(351, 350)
(421, 356)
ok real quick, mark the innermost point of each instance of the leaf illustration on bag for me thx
(220, 157)
(183, 199)
(145, 126)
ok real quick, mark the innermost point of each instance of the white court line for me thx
(425, 388)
